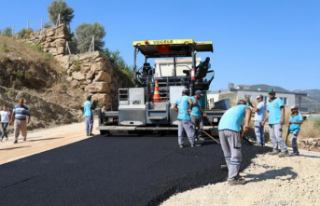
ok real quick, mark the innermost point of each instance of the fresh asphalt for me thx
(124, 171)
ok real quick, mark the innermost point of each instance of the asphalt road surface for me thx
(124, 171)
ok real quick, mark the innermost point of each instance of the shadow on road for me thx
(12, 148)
(283, 174)
(45, 139)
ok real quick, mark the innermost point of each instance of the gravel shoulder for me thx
(270, 180)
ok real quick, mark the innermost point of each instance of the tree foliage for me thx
(84, 33)
(120, 66)
(6, 31)
(25, 33)
(60, 7)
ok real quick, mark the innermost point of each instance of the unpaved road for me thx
(270, 181)
(121, 170)
(40, 141)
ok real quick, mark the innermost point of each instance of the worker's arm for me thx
(282, 115)
(175, 107)
(265, 119)
(300, 122)
(12, 117)
(246, 121)
(190, 105)
(28, 118)
(203, 113)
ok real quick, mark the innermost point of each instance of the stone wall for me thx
(91, 72)
(94, 74)
(52, 40)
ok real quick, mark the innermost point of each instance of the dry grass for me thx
(13, 48)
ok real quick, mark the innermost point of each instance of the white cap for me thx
(294, 107)
(259, 96)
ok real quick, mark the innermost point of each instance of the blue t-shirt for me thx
(295, 127)
(233, 118)
(195, 108)
(274, 109)
(183, 106)
(261, 113)
(21, 113)
(87, 112)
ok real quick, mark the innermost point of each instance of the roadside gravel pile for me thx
(270, 181)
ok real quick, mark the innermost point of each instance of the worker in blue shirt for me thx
(197, 113)
(295, 121)
(183, 106)
(230, 138)
(88, 115)
(276, 116)
(260, 113)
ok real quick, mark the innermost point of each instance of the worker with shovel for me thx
(197, 114)
(230, 138)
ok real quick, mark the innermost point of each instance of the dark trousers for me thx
(4, 130)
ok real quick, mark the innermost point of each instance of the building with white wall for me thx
(251, 91)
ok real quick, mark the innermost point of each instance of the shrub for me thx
(76, 66)
(24, 33)
(19, 74)
(7, 32)
(4, 48)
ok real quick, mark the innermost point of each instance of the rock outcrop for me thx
(91, 71)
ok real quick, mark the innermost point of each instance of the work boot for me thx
(284, 154)
(274, 152)
(196, 145)
(295, 154)
(15, 142)
(236, 182)
(181, 146)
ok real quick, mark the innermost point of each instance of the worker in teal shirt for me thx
(276, 115)
(197, 114)
(88, 115)
(230, 138)
(183, 106)
(295, 121)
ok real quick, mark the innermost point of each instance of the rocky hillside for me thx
(26, 71)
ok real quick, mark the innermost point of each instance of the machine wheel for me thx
(105, 133)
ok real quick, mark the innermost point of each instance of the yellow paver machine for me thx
(148, 107)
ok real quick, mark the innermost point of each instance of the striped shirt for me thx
(21, 113)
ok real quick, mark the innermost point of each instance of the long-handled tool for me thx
(208, 134)
(287, 134)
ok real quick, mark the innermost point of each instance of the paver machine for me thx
(148, 107)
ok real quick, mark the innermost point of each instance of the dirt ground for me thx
(42, 140)
(270, 181)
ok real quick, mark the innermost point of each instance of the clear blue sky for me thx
(274, 42)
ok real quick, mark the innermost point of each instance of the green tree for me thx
(84, 33)
(60, 7)
(120, 66)
(25, 33)
(7, 31)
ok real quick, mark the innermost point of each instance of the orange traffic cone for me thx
(156, 95)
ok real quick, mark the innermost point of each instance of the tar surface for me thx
(124, 171)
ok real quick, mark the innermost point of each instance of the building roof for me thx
(258, 88)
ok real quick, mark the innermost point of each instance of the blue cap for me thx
(198, 92)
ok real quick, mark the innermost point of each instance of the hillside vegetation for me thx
(27, 72)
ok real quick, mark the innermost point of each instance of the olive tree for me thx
(60, 7)
(84, 33)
